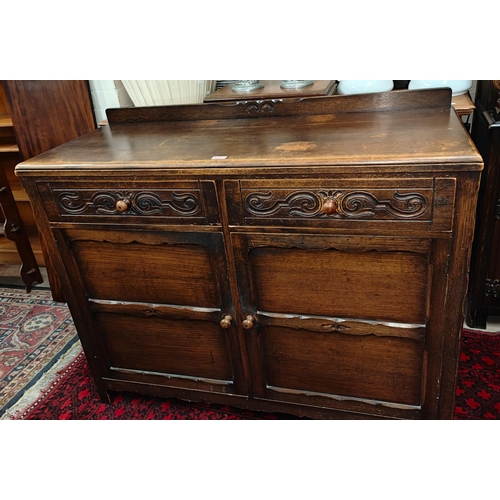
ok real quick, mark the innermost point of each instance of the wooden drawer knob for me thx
(248, 322)
(122, 205)
(225, 322)
(329, 207)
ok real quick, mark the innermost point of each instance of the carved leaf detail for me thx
(105, 203)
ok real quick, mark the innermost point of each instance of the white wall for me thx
(108, 94)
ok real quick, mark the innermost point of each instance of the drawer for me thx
(419, 204)
(190, 202)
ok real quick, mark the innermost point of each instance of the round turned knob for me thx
(122, 205)
(248, 322)
(225, 322)
(329, 206)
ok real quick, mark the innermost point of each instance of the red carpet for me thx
(73, 395)
(478, 385)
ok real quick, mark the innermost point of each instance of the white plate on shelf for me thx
(346, 87)
(458, 87)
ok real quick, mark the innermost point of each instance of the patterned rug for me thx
(35, 333)
(478, 385)
(42, 361)
(74, 397)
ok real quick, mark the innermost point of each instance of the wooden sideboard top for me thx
(416, 130)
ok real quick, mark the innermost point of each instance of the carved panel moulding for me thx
(140, 203)
(339, 204)
(492, 287)
(260, 107)
(252, 106)
(497, 210)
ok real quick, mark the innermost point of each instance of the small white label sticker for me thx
(219, 157)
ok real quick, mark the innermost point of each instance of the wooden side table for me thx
(463, 105)
(273, 90)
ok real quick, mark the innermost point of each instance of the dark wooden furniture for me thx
(484, 286)
(17, 258)
(303, 256)
(273, 90)
(43, 114)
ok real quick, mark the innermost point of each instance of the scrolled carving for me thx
(356, 204)
(335, 327)
(147, 203)
(105, 203)
(260, 106)
(72, 202)
(299, 203)
(140, 203)
(364, 204)
(335, 204)
(410, 204)
(185, 203)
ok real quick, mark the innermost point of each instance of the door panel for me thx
(157, 299)
(377, 368)
(164, 270)
(350, 284)
(335, 317)
(166, 346)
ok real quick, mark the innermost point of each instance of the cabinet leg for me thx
(106, 397)
(55, 284)
(476, 316)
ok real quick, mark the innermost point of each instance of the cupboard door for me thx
(336, 321)
(157, 300)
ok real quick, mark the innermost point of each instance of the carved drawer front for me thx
(193, 202)
(422, 204)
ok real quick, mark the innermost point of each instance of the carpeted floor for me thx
(478, 385)
(35, 333)
(45, 374)
(74, 397)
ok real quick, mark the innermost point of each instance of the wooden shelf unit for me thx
(9, 148)
(5, 120)
(19, 242)
(35, 116)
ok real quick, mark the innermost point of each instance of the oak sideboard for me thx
(304, 256)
